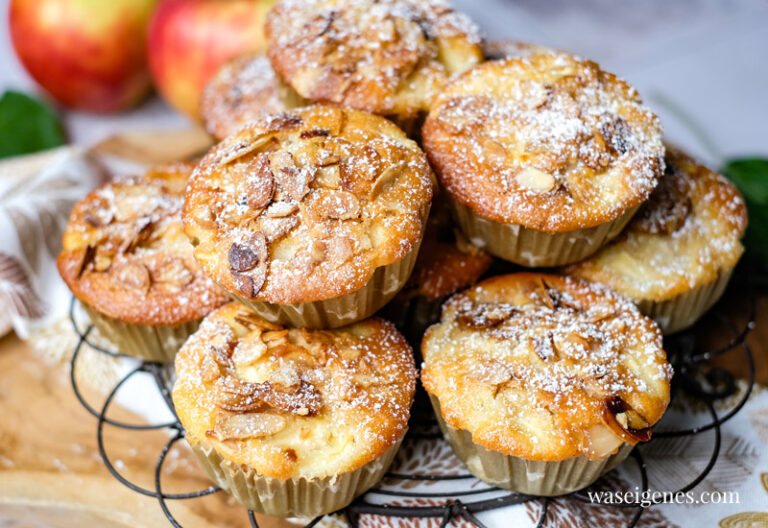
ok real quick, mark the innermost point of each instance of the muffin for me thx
(293, 422)
(545, 157)
(126, 258)
(312, 219)
(243, 89)
(543, 383)
(507, 49)
(447, 263)
(676, 256)
(388, 57)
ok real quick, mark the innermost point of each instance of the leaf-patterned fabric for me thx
(37, 193)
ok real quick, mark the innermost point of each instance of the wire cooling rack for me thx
(461, 495)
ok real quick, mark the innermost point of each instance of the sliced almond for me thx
(335, 204)
(242, 257)
(252, 321)
(293, 180)
(248, 350)
(250, 425)
(133, 275)
(99, 217)
(239, 149)
(535, 180)
(572, 345)
(283, 121)
(205, 218)
(339, 249)
(494, 150)
(326, 159)
(174, 274)
(275, 337)
(485, 315)
(387, 177)
(275, 228)
(248, 264)
(282, 209)
(314, 132)
(293, 354)
(209, 368)
(329, 177)
(286, 375)
(260, 185)
(331, 119)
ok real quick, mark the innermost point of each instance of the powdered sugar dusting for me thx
(344, 193)
(560, 143)
(125, 252)
(239, 370)
(687, 232)
(543, 350)
(386, 57)
(243, 89)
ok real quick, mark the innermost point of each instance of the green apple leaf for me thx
(751, 177)
(27, 125)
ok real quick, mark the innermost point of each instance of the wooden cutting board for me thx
(51, 474)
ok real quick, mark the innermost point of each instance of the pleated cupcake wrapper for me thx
(345, 309)
(299, 497)
(530, 477)
(147, 342)
(532, 248)
(682, 311)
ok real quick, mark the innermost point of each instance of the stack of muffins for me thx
(313, 212)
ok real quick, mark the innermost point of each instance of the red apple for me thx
(190, 39)
(88, 54)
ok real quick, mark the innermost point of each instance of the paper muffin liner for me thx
(346, 309)
(300, 497)
(532, 248)
(147, 342)
(530, 477)
(682, 311)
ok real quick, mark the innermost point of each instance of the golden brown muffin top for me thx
(244, 88)
(548, 141)
(388, 57)
(546, 368)
(687, 232)
(126, 255)
(292, 403)
(305, 206)
(447, 261)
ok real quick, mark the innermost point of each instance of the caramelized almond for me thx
(535, 180)
(387, 177)
(335, 204)
(133, 275)
(485, 315)
(251, 425)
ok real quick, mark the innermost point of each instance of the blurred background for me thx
(699, 60)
